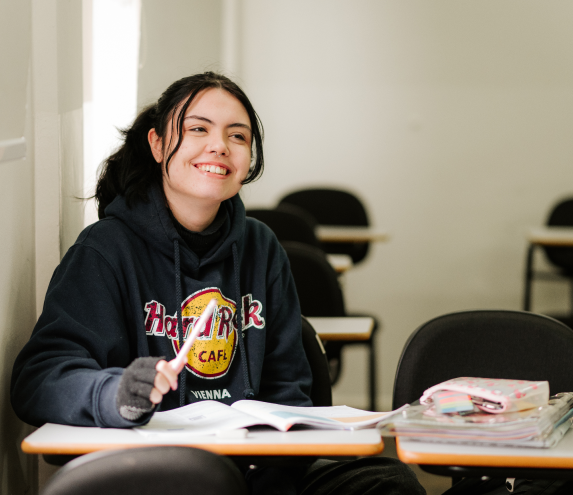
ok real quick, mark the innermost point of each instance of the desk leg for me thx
(528, 278)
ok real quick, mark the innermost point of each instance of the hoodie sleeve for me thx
(286, 377)
(70, 369)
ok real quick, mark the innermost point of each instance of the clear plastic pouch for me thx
(495, 395)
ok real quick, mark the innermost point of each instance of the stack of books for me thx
(540, 426)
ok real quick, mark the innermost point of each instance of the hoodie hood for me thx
(150, 220)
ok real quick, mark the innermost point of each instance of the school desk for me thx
(510, 462)
(336, 234)
(342, 327)
(340, 262)
(55, 439)
(538, 237)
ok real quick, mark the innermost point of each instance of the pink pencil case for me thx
(495, 395)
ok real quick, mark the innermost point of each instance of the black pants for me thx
(366, 476)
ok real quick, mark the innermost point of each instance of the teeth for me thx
(213, 169)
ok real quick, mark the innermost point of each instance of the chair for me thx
(288, 224)
(148, 471)
(321, 391)
(560, 257)
(333, 207)
(487, 344)
(320, 294)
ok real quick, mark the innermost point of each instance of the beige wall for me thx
(17, 284)
(41, 99)
(178, 38)
(453, 121)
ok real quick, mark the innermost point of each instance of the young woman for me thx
(172, 236)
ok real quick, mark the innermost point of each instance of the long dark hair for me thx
(131, 170)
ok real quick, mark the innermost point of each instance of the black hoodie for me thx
(115, 296)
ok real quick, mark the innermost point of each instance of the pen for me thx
(197, 328)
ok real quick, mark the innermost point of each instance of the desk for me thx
(522, 461)
(545, 237)
(342, 327)
(340, 262)
(75, 440)
(337, 234)
(551, 236)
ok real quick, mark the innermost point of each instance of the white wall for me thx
(40, 99)
(453, 121)
(17, 289)
(178, 38)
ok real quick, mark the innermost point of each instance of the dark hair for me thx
(132, 169)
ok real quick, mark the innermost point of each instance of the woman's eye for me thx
(239, 136)
(197, 129)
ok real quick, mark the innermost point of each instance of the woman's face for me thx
(215, 152)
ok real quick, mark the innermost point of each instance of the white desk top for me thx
(329, 233)
(559, 457)
(551, 236)
(342, 327)
(340, 262)
(60, 439)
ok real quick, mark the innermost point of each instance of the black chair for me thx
(487, 344)
(321, 392)
(560, 257)
(320, 294)
(333, 207)
(148, 471)
(288, 224)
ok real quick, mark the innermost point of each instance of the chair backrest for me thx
(486, 344)
(321, 391)
(561, 216)
(148, 471)
(333, 207)
(316, 281)
(287, 224)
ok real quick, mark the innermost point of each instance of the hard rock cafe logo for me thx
(212, 353)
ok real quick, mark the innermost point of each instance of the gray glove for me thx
(135, 387)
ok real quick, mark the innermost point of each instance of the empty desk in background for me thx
(342, 327)
(55, 439)
(458, 460)
(328, 233)
(340, 262)
(546, 237)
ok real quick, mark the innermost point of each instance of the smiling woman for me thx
(172, 238)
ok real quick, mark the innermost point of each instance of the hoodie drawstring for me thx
(182, 375)
(248, 393)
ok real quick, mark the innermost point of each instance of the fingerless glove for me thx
(135, 387)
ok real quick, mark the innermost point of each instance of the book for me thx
(211, 417)
(541, 426)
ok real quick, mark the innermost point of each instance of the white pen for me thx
(197, 328)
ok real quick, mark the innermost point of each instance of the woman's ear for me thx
(156, 145)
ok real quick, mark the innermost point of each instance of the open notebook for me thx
(212, 417)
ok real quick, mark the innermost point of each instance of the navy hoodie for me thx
(115, 297)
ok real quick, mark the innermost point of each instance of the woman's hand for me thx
(165, 380)
(143, 384)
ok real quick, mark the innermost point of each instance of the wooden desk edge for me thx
(324, 335)
(345, 336)
(218, 448)
(353, 239)
(482, 460)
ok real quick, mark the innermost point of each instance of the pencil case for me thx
(495, 395)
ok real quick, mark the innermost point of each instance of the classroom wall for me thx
(451, 119)
(178, 38)
(40, 99)
(17, 284)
